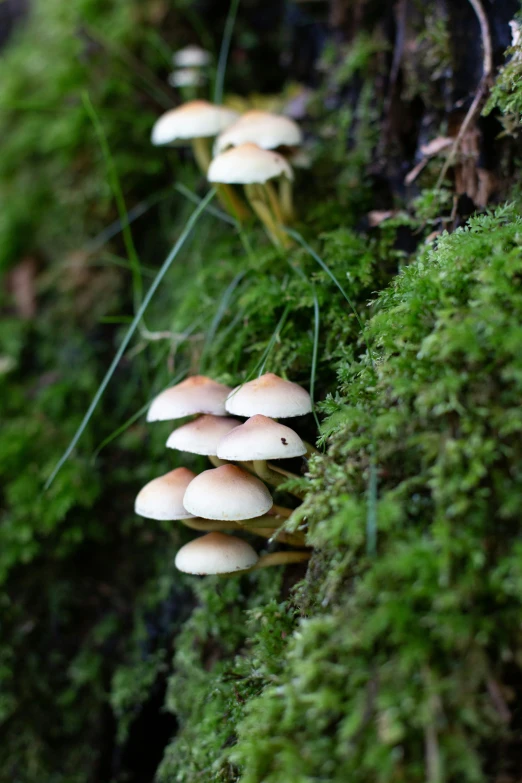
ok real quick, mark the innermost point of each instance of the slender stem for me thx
(232, 202)
(310, 450)
(216, 461)
(286, 199)
(280, 511)
(209, 525)
(201, 150)
(275, 476)
(292, 539)
(281, 558)
(263, 214)
(273, 200)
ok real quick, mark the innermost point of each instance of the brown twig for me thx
(487, 69)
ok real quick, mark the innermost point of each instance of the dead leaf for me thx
(21, 281)
(378, 216)
(436, 145)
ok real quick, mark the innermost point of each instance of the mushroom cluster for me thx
(254, 150)
(232, 495)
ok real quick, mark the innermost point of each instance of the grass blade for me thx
(114, 181)
(315, 351)
(132, 328)
(223, 53)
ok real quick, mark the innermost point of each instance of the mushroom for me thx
(197, 394)
(162, 498)
(186, 77)
(191, 56)
(215, 553)
(227, 493)
(260, 439)
(253, 167)
(202, 436)
(270, 132)
(218, 553)
(271, 396)
(197, 122)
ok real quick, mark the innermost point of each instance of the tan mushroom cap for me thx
(191, 56)
(267, 130)
(215, 553)
(195, 119)
(271, 396)
(261, 438)
(248, 164)
(227, 493)
(197, 394)
(202, 435)
(162, 498)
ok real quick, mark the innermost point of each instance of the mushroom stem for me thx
(226, 194)
(258, 197)
(209, 525)
(216, 525)
(281, 558)
(274, 476)
(216, 461)
(286, 199)
(310, 450)
(280, 511)
(201, 150)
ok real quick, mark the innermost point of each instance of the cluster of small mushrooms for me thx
(254, 150)
(232, 495)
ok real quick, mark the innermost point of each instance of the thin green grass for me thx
(223, 53)
(219, 314)
(114, 181)
(191, 222)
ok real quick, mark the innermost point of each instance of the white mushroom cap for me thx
(271, 396)
(186, 77)
(267, 130)
(248, 164)
(261, 438)
(197, 394)
(195, 119)
(191, 56)
(202, 435)
(215, 553)
(162, 498)
(227, 493)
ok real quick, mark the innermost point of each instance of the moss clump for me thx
(405, 663)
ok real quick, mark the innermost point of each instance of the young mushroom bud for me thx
(197, 394)
(218, 553)
(191, 56)
(215, 553)
(253, 167)
(162, 498)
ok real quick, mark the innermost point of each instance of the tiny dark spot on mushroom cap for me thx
(284, 442)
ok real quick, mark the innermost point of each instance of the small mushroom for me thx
(202, 435)
(271, 396)
(191, 56)
(270, 132)
(162, 498)
(227, 493)
(197, 122)
(197, 394)
(218, 553)
(253, 167)
(186, 77)
(260, 439)
(215, 553)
